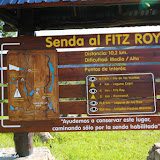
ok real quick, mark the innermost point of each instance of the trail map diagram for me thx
(33, 85)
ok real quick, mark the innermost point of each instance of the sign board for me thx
(113, 77)
(121, 94)
(33, 85)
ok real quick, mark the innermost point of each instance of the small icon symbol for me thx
(37, 89)
(92, 79)
(93, 91)
(92, 85)
(94, 109)
(93, 96)
(15, 68)
(17, 94)
(93, 103)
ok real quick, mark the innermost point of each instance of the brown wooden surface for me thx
(37, 98)
(75, 91)
(139, 121)
(129, 55)
(126, 94)
(23, 144)
(144, 106)
(71, 106)
(66, 107)
(40, 42)
(79, 74)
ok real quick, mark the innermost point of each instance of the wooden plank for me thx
(78, 57)
(79, 91)
(65, 91)
(5, 107)
(78, 41)
(129, 88)
(5, 93)
(33, 85)
(75, 91)
(80, 73)
(109, 123)
(4, 60)
(72, 107)
(72, 91)
(106, 56)
(109, 56)
(4, 77)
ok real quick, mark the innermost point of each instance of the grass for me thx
(119, 145)
(6, 140)
(110, 145)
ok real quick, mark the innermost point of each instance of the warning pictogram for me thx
(17, 94)
(93, 96)
(92, 85)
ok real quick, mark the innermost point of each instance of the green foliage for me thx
(5, 34)
(110, 145)
(72, 82)
(4, 85)
(4, 101)
(6, 140)
(115, 145)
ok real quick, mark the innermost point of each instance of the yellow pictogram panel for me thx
(93, 96)
(92, 85)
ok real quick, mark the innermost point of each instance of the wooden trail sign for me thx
(126, 69)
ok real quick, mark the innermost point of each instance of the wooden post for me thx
(24, 141)
(23, 144)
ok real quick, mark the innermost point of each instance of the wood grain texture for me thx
(75, 91)
(40, 42)
(121, 94)
(79, 74)
(33, 85)
(150, 122)
(134, 56)
(73, 107)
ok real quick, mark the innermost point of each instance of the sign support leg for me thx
(23, 144)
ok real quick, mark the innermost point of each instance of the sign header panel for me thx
(86, 40)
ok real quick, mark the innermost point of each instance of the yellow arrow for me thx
(92, 84)
(93, 97)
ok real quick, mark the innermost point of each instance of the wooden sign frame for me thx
(72, 73)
